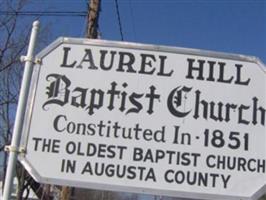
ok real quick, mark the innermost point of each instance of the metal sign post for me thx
(14, 148)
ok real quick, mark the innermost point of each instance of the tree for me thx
(14, 36)
(12, 47)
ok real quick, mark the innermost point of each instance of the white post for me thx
(29, 60)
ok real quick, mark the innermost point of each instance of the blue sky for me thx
(233, 26)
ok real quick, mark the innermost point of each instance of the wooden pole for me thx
(92, 18)
(92, 32)
(65, 193)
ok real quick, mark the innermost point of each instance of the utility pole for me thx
(92, 18)
(91, 32)
(65, 193)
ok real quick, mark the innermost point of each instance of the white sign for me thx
(141, 118)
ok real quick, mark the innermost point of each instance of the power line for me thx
(45, 13)
(119, 20)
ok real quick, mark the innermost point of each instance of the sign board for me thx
(142, 118)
